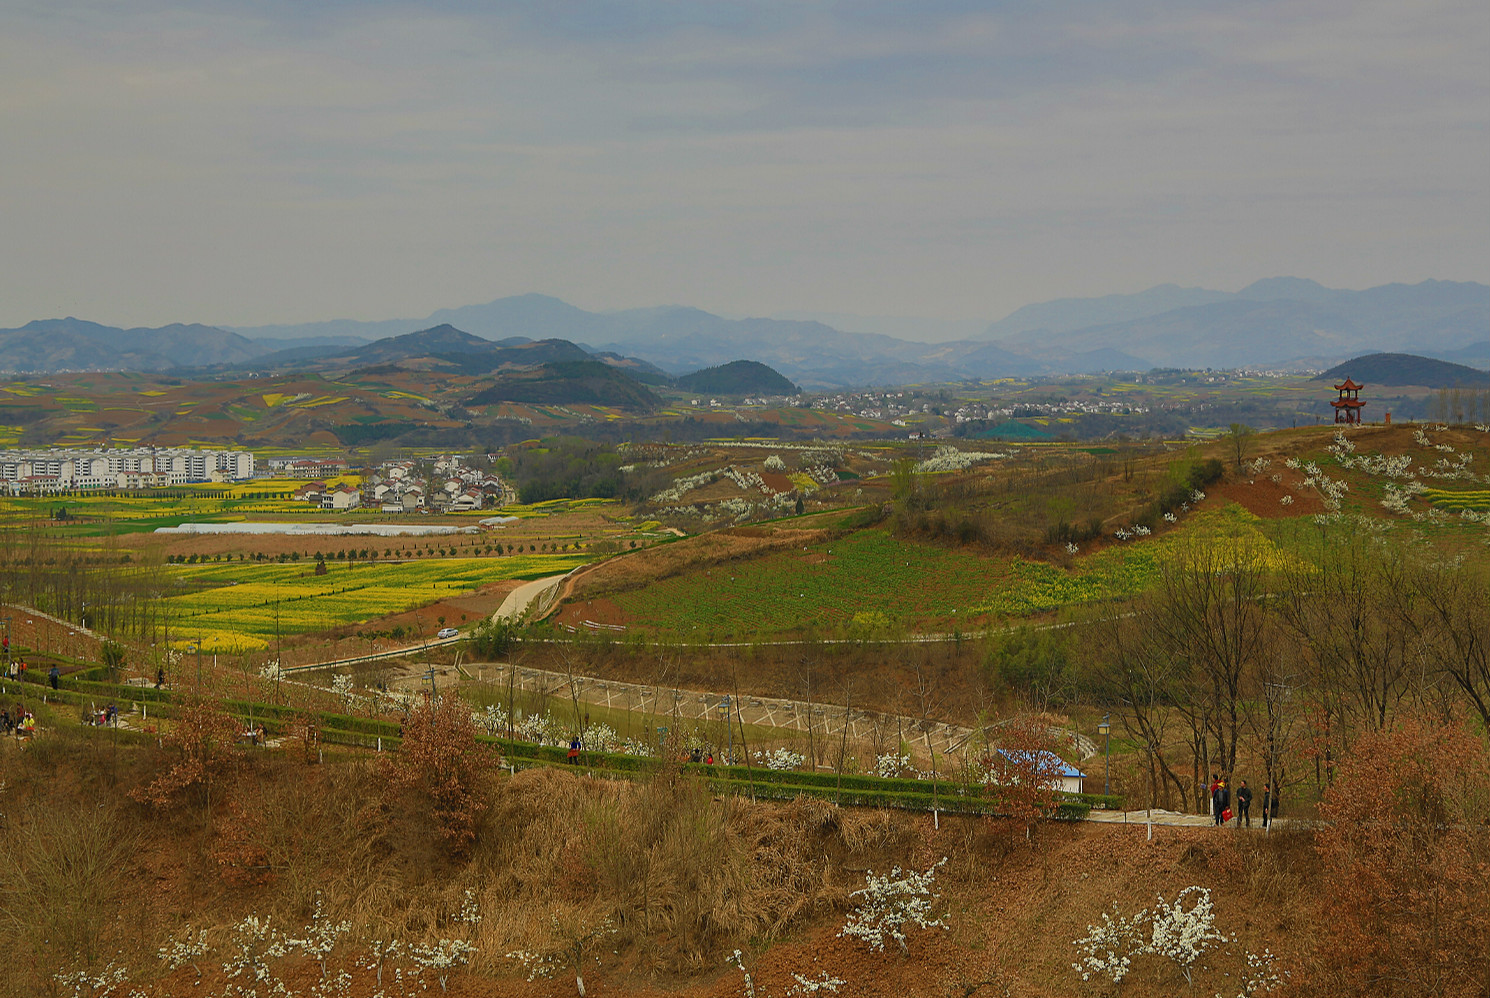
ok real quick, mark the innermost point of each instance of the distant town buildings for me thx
(442, 484)
(57, 469)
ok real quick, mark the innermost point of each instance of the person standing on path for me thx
(1244, 805)
(1223, 800)
(1267, 802)
(54, 675)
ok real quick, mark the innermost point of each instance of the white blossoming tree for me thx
(1181, 931)
(889, 904)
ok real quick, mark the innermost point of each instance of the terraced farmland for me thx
(240, 606)
(1475, 499)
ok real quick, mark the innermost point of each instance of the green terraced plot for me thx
(1449, 499)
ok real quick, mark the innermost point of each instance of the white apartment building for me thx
(55, 468)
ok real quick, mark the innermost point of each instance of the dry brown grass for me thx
(682, 876)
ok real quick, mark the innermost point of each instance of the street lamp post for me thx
(1105, 730)
(724, 706)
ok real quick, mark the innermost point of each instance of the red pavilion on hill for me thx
(1348, 405)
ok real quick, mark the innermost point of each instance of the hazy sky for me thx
(290, 160)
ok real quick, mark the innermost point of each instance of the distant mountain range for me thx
(1280, 323)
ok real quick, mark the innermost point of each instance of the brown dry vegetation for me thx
(684, 878)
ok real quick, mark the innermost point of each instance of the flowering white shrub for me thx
(535, 965)
(1071, 547)
(1123, 534)
(738, 960)
(1181, 931)
(1379, 464)
(745, 480)
(1291, 463)
(441, 957)
(1257, 466)
(682, 487)
(188, 950)
(1286, 501)
(1197, 496)
(1260, 976)
(775, 463)
(891, 764)
(1109, 948)
(807, 986)
(781, 758)
(1421, 438)
(82, 984)
(949, 458)
(1141, 530)
(1184, 934)
(255, 943)
(602, 738)
(889, 904)
(379, 953)
(342, 686)
(1396, 499)
(1171, 518)
(638, 747)
(320, 936)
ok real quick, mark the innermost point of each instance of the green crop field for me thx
(240, 606)
(869, 574)
(1477, 499)
(872, 580)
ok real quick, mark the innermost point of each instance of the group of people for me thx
(1221, 801)
(103, 717)
(18, 721)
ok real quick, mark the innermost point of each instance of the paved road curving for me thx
(516, 605)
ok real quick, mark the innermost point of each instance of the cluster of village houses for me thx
(396, 488)
(393, 487)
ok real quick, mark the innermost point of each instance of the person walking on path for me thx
(1244, 805)
(1223, 799)
(54, 675)
(1215, 807)
(1267, 802)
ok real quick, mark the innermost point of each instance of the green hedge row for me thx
(366, 732)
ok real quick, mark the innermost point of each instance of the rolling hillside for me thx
(1405, 369)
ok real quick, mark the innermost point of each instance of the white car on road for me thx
(447, 632)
